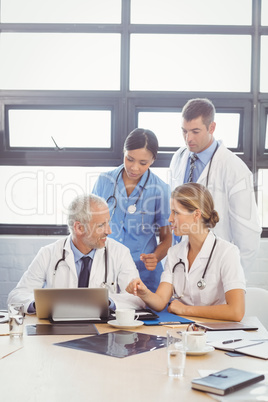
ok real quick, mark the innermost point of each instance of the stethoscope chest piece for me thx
(132, 209)
(201, 284)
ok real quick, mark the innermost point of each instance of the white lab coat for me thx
(121, 269)
(231, 184)
(224, 272)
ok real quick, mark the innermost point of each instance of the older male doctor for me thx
(61, 264)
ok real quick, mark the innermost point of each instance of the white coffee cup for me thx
(196, 340)
(125, 316)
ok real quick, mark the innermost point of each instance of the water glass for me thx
(16, 318)
(176, 353)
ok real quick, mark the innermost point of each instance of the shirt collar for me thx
(206, 155)
(77, 253)
(141, 183)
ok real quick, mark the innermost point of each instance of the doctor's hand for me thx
(150, 261)
(177, 307)
(137, 288)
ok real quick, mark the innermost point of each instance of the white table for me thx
(43, 372)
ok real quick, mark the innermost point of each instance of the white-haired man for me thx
(61, 264)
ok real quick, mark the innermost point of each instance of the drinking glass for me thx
(16, 318)
(176, 353)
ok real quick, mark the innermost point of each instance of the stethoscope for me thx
(201, 284)
(104, 284)
(210, 162)
(131, 208)
(215, 150)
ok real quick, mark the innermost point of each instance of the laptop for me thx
(72, 304)
(225, 326)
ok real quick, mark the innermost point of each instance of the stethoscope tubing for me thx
(113, 197)
(63, 259)
(201, 284)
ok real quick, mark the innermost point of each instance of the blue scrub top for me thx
(137, 231)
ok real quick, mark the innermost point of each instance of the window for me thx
(56, 61)
(264, 64)
(38, 11)
(264, 12)
(181, 61)
(167, 128)
(205, 12)
(44, 128)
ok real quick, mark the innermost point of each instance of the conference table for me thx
(38, 370)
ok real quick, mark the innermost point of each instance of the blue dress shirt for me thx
(78, 255)
(200, 164)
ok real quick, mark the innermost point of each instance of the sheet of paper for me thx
(214, 336)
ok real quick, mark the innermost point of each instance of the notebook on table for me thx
(226, 381)
(72, 304)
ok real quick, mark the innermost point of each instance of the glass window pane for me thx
(40, 195)
(227, 128)
(69, 128)
(37, 195)
(266, 133)
(209, 12)
(264, 64)
(60, 61)
(264, 12)
(167, 127)
(190, 63)
(263, 196)
(61, 11)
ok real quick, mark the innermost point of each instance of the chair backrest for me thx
(257, 304)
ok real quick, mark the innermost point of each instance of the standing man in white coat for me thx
(207, 161)
(60, 265)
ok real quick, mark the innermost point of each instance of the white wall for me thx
(17, 252)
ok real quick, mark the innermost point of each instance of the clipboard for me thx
(166, 318)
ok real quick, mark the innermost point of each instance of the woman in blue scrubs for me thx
(139, 205)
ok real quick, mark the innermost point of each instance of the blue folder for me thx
(165, 318)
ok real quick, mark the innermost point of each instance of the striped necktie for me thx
(85, 272)
(194, 157)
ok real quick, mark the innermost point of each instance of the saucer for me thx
(3, 317)
(135, 324)
(206, 349)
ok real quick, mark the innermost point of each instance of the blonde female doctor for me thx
(203, 276)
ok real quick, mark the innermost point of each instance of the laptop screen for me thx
(72, 304)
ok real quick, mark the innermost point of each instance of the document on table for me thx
(248, 343)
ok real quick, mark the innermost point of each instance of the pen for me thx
(232, 340)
